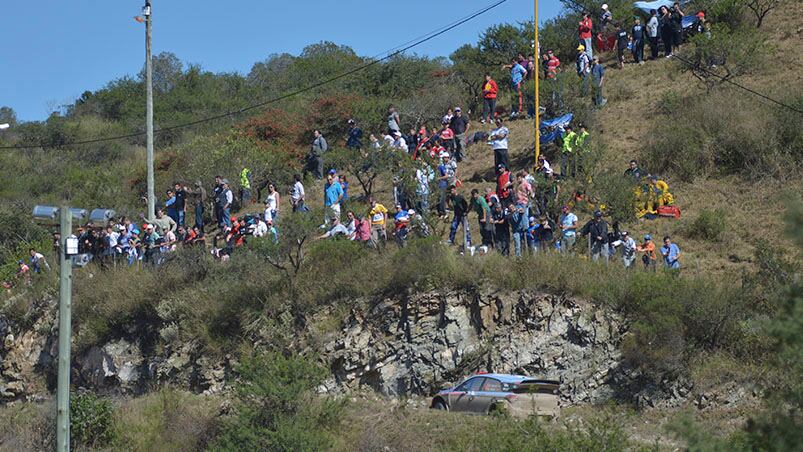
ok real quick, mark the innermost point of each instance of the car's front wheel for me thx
(439, 405)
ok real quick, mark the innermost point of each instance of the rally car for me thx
(518, 395)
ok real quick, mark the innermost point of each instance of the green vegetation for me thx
(90, 420)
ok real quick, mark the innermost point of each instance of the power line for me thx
(727, 80)
(401, 49)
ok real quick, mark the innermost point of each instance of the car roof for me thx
(504, 378)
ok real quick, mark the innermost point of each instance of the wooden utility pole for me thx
(537, 53)
(146, 11)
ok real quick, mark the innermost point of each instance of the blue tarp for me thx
(558, 123)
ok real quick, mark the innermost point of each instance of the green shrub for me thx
(91, 420)
(276, 409)
(710, 225)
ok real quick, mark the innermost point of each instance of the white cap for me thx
(604, 6)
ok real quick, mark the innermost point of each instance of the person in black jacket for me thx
(597, 230)
(676, 17)
(667, 35)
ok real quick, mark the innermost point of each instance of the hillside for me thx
(308, 344)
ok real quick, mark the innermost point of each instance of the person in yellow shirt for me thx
(379, 218)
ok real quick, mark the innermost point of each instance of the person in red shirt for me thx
(504, 185)
(552, 64)
(489, 92)
(585, 34)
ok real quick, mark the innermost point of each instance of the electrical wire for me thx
(727, 80)
(392, 52)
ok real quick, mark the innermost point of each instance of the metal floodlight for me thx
(78, 215)
(146, 10)
(45, 213)
(101, 217)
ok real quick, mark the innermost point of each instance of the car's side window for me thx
(471, 385)
(491, 385)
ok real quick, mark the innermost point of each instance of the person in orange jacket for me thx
(489, 91)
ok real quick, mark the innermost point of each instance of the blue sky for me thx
(56, 49)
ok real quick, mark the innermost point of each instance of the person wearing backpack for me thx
(583, 69)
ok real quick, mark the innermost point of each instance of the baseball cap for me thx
(648, 237)
(224, 181)
(598, 214)
(332, 171)
(457, 109)
(581, 47)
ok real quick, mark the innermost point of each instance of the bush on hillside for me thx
(91, 420)
(276, 409)
(710, 225)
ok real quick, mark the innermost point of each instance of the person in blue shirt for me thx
(517, 74)
(170, 205)
(533, 237)
(333, 194)
(598, 75)
(519, 220)
(354, 139)
(671, 254)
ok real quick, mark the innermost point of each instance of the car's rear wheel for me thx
(439, 405)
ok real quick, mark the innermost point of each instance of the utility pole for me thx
(537, 74)
(146, 11)
(65, 333)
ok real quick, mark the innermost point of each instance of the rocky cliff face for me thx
(415, 345)
(407, 346)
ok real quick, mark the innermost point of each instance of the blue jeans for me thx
(225, 217)
(518, 239)
(456, 223)
(180, 221)
(589, 49)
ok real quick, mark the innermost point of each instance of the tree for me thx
(8, 116)
(368, 164)
(724, 54)
(166, 70)
(761, 8)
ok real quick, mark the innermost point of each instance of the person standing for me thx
(483, 217)
(637, 36)
(226, 200)
(499, 143)
(567, 149)
(447, 175)
(216, 202)
(180, 193)
(423, 176)
(519, 219)
(667, 34)
(671, 253)
(568, 227)
(652, 34)
(332, 195)
(460, 219)
(504, 185)
(272, 202)
(379, 218)
(170, 205)
(583, 69)
(597, 231)
(581, 150)
(489, 92)
(552, 67)
(628, 250)
(676, 18)
(297, 195)
(584, 31)
(245, 187)
(622, 41)
(649, 257)
(319, 146)
(517, 74)
(198, 195)
(394, 121)
(501, 229)
(354, 139)
(598, 73)
(459, 125)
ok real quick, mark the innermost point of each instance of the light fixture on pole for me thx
(146, 11)
(68, 248)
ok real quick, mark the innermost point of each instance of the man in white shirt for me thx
(297, 195)
(399, 142)
(498, 141)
